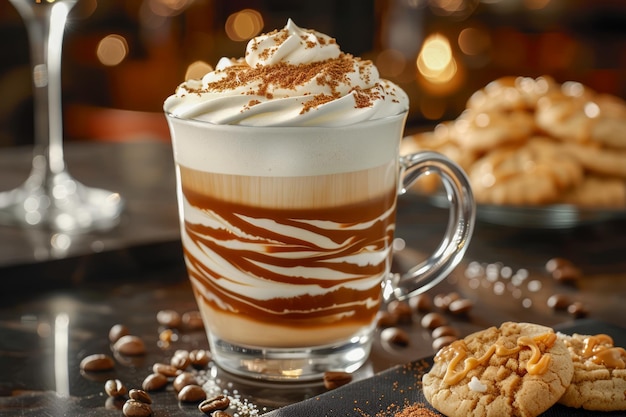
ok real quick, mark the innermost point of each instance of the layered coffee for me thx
(271, 270)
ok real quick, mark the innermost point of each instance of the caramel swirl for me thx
(601, 351)
(457, 353)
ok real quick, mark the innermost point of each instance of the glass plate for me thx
(557, 216)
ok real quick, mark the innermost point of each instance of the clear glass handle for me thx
(458, 232)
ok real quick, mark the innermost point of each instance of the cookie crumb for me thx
(416, 410)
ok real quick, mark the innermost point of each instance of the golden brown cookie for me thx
(511, 93)
(534, 173)
(597, 192)
(482, 131)
(598, 160)
(599, 381)
(518, 369)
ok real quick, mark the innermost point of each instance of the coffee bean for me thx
(184, 379)
(395, 336)
(199, 358)
(220, 413)
(154, 382)
(180, 361)
(191, 394)
(443, 301)
(140, 395)
(558, 301)
(567, 274)
(386, 319)
(210, 405)
(577, 309)
(335, 379)
(117, 331)
(401, 310)
(134, 408)
(169, 318)
(97, 362)
(130, 345)
(115, 388)
(442, 341)
(432, 320)
(192, 320)
(444, 331)
(420, 302)
(460, 306)
(165, 369)
(556, 263)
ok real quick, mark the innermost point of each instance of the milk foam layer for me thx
(289, 77)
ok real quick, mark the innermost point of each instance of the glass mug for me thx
(287, 235)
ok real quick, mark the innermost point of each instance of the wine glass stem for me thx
(45, 25)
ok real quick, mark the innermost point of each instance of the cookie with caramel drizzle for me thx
(517, 369)
(599, 381)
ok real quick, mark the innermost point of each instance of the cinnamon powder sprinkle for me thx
(262, 79)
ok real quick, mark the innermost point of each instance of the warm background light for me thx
(112, 50)
(244, 25)
(197, 69)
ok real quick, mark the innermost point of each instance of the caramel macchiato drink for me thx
(287, 174)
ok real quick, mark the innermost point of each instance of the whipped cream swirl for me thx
(289, 77)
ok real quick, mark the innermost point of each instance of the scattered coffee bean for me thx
(154, 382)
(134, 408)
(401, 310)
(395, 336)
(386, 319)
(444, 331)
(335, 379)
(192, 320)
(558, 302)
(115, 388)
(97, 362)
(433, 320)
(567, 274)
(169, 318)
(180, 360)
(556, 263)
(191, 394)
(165, 369)
(442, 301)
(220, 413)
(117, 331)
(184, 379)
(130, 345)
(199, 358)
(140, 395)
(577, 309)
(167, 336)
(460, 306)
(212, 404)
(420, 302)
(442, 341)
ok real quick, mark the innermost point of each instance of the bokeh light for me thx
(112, 50)
(435, 61)
(474, 41)
(244, 25)
(197, 70)
(390, 63)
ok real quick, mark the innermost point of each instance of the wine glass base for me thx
(60, 204)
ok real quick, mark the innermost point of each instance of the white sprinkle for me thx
(476, 385)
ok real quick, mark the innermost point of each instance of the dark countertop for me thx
(56, 307)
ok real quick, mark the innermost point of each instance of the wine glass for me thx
(50, 197)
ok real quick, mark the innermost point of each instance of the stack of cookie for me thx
(525, 141)
(523, 369)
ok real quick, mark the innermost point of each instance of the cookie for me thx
(482, 131)
(511, 93)
(518, 369)
(598, 160)
(585, 117)
(531, 174)
(596, 191)
(599, 381)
